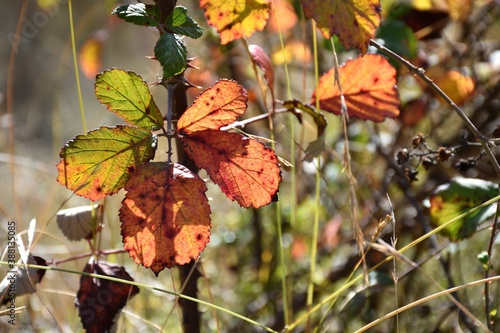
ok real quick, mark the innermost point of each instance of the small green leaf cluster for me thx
(170, 49)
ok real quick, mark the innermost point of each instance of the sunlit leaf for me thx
(354, 21)
(236, 19)
(181, 23)
(165, 216)
(171, 52)
(128, 96)
(245, 169)
(261, 58)
(214, 108)
(100, 163)
(457, 197)
(369, 87)
(99, 300)
(138, 13)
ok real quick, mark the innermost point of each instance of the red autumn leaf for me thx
(214, 108)
(369, 87)
(244, 168)
(235, 19)
(165, 216)
(99, 300)
(261, 58)
(354, 21)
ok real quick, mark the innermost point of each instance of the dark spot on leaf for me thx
(98, 189)
(157, 197)
(143, 196)
(199, 237)
(375, 79)
(170, 233)
(221, 152)
(131, 169)
(171, 258)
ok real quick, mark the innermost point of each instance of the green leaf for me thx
(457, 197)
(181, 23)
(128, 96)
(398, 37)
(139, 13)
(318, 117)
(171, 52)
(100, 163)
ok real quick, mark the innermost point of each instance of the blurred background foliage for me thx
(455, 41)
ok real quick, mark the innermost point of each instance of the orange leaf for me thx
(354, 21)
(369, 87)
(165, 216)
(285, 18)
(235, 19)
(214, 108)
(245, 169)
(90, 55)
(457, 86)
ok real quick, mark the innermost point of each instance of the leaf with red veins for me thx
(214, 108)
(246, 171)
(369, 87)
(165, 216)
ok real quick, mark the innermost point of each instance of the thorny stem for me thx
(169, 117)
(420, 72)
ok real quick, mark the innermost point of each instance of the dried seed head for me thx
(418, 139)
(444, 154)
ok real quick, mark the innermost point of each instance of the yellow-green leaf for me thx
(100, 163)
(353, 21)
(235, 19)
(128, 96)
(457, 197)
